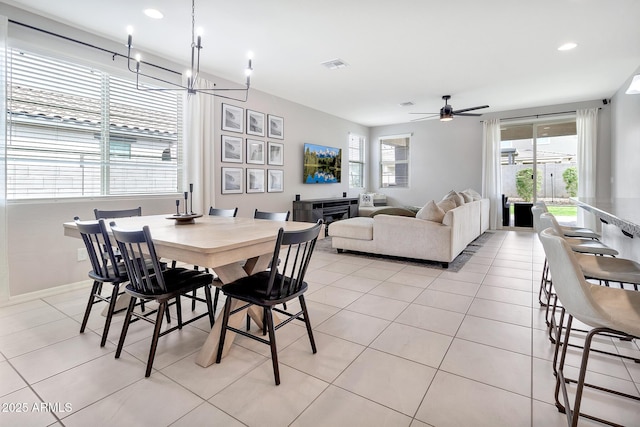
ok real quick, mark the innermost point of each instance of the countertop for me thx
(622, 212)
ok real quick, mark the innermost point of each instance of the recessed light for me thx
(153, 13)
(568, 46)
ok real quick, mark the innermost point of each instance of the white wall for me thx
(443, 157)
(626, 142)
(301, 124)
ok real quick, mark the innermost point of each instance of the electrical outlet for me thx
(82, 254)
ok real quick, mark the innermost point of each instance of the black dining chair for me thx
(267, 289)
(119, 213)
(105, 268)
(223, 212)
(275, 216)
(156, 284)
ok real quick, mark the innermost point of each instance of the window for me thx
(74, 131)
(356, 161)
(394, 161)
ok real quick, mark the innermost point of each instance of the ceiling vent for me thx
(334, 64)
(406, 104)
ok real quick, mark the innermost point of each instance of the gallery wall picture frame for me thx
(255, 123)
(275, 127)
(232, 118)
(275, 153)
(232, 181)
(231, 149)
(255, 151)
(275, 180)
(255, 180)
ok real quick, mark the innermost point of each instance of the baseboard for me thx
(18, 299)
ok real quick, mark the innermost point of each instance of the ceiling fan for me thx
(447, 112)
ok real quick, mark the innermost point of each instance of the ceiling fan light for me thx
(446, 116)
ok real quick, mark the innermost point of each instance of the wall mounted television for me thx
(322, 165)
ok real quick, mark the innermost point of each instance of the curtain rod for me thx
(537, 116)
(113, 54)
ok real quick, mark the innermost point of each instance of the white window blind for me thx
(75, 131)
(356, 161)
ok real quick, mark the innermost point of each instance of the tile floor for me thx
(398, 345)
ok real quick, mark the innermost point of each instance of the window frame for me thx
(387, 163)
(361, 141)
(113, 157)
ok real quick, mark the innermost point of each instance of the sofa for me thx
(414, 237)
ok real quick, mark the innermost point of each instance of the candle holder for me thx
(188, 217)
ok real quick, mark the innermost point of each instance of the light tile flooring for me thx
(398, 345)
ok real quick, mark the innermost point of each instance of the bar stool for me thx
(588, 245)
(584, 246)
(570, 231)
(608, 311)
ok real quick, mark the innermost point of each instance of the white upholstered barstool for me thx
(608, 311)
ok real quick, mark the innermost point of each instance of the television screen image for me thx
(322, 165)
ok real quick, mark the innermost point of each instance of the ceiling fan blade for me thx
(467, 114)
(469, 109)
(424, 118)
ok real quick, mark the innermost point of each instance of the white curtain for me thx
(587, 130)
(4, 262)
(198, 142)
(491, 171)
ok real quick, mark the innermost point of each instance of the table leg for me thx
(228, 274)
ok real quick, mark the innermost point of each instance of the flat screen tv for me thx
(322, 165)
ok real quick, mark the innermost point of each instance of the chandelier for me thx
(192, 73)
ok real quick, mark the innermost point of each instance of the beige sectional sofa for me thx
(414, 237)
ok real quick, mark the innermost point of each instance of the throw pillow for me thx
(457, 199)
(446, 205)
(474, 193)
(394, 211)
(466, 196)
(366, 200)
(431, 212)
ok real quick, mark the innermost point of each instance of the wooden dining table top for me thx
(211, 241)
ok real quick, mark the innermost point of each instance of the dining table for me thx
(234, 247)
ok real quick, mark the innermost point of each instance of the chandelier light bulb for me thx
(199, 31)
(129, 30)
(138, 57)
(188, 73)
(250, 55)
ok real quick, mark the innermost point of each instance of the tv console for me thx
(329, 210)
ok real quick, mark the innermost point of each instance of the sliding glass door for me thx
(539, 162)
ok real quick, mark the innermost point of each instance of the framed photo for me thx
(232, 118)
(275, 153)
(231, 149)
(255, 123)
(275, 181)
(255, 180)
(255, 151)
(231, 180)
(276, 127)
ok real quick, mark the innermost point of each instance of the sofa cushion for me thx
(391, 210)
(446, 205)
(431, 212)
(366, 200)
(360, 228)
